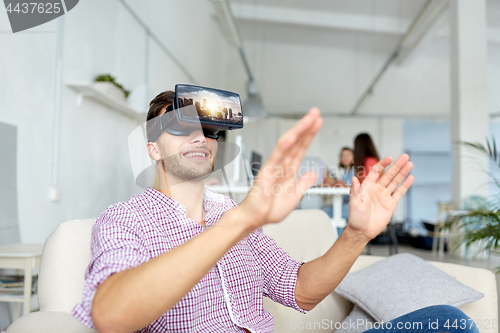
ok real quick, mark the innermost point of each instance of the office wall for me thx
(494, 168)
(430, 146)
(27, 70)
(99, 37)
(9, 229)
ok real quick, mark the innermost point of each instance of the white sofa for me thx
(305, 234)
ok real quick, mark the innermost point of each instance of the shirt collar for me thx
(212, 196)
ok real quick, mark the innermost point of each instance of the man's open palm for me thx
(372, 203)
(276, 192)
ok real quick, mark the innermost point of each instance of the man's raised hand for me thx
(276, 192)
(372, 203)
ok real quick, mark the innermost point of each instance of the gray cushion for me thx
(401, 284)
(356, 322)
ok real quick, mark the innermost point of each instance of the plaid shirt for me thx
(227, 299)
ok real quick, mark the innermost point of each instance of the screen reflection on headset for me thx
(194, 106)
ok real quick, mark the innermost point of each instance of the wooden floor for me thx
(492, 264)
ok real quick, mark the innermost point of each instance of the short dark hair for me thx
(159, 102)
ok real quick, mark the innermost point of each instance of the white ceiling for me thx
(388, 8)
(326, 53)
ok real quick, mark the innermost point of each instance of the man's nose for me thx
(197, 137)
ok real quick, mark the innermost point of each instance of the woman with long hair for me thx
(365, 156)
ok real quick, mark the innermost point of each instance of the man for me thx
(180, 258)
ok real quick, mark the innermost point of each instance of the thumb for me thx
(355, 186)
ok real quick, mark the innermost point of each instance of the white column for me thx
(469, 96)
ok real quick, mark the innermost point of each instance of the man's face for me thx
(187, 157)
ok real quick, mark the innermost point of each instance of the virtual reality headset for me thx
(211, 109)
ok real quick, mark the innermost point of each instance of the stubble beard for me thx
(174, 167)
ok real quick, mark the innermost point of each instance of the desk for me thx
(21, 256)
(337, 192)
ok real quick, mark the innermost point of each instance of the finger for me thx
(298, 152)
(292, 136)
(400, 191)
(307, 135)
(291, 161)
(355, 186)
(393, 171)
(377, 169)
(405, 171)
(303, 125)
(283, 143)
(281, 158)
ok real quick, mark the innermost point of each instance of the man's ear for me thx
(153, 151)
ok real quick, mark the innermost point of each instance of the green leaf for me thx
(109, 78)
(480, 226)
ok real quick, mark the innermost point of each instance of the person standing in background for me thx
(341, 178)
(345, 173)
(365, 156)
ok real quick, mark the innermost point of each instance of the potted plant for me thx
(480, 225)
(107, 84)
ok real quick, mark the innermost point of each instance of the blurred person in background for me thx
(365, 156)
(341, 178)
(343, 175)
(345, 171)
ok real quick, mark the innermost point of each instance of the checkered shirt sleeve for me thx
(279, 268)
(116, 246)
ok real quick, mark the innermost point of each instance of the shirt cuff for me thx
(293, 303)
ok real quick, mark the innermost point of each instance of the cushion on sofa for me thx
(401, 284)
(65, 257)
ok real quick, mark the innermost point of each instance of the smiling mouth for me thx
(196, 155)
